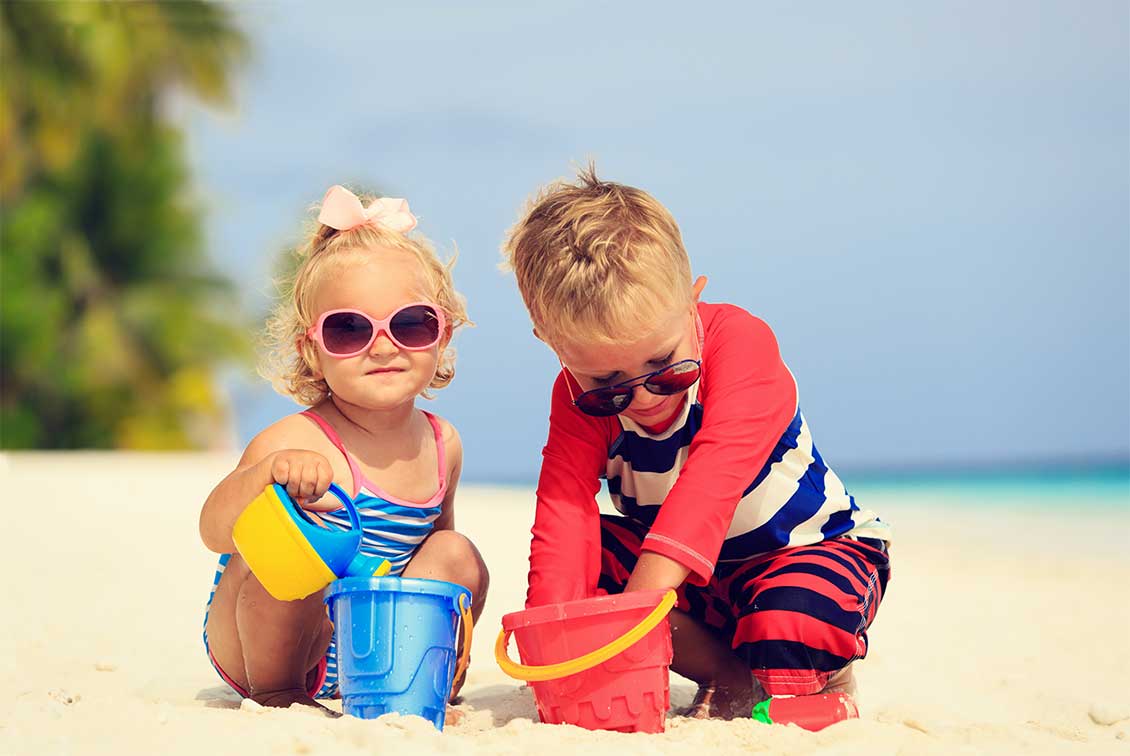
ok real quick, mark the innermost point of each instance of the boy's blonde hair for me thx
(596, 261)
(290, 355)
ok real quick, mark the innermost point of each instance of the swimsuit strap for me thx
(359, 478)
(441, 456)
(335, 439)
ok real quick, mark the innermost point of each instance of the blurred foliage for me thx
(112, 324)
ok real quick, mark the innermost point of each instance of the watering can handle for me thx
(335, 489)
(347, 502)
(532, 673)
(468, 625)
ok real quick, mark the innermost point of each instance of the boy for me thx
(689, 413)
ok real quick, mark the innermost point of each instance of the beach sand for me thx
(1000, 633)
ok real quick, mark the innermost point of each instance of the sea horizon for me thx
(1040, 484)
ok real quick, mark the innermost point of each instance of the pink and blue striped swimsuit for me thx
(391, 528)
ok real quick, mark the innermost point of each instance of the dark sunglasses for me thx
(345, 333)
(612, 400)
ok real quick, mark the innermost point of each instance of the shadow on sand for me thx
(504, 702)
(508, 702)
(219, 697)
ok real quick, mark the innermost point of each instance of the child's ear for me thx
(699, 285)
(314, 365)
(552, 348)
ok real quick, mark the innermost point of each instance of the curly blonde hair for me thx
(290, 355)
(596, 258)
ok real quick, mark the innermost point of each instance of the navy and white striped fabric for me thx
(388, 530)
(793, 500)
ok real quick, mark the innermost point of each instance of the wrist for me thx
(262, 473)
(656, 572)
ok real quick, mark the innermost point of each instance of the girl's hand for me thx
(307, 476)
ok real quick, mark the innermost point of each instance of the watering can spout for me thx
(367, 566)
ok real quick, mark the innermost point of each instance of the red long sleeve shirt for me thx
(747, 408)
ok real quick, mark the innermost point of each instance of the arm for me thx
(565, 550)
(269, 458)
(654, 571)
(749, 400)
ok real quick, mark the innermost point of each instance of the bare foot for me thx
(713, 702)
(283, 699)
(453, 717)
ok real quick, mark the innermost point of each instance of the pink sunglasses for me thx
(347, 333)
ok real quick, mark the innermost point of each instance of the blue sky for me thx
(929, 204)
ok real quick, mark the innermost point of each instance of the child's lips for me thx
(379, 371)
(660, 412)
(657, 409)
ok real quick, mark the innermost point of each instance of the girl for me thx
(365, 331)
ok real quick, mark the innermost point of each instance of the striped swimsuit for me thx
(392, 529)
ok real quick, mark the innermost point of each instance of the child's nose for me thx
(383, 344)
(644, 399)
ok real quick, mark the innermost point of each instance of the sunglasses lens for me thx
(604, 402)
(416, 326)
(678, 377)
(346, 332)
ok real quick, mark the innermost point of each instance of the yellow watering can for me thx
(291, 555)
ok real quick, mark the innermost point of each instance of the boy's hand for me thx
(306, 475)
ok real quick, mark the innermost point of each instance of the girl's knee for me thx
(456, 558)
(452, 546)
(321, 643)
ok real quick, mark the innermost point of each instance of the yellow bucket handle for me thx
(468, 628)
(531, 673)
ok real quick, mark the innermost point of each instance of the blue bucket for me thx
(396, 644)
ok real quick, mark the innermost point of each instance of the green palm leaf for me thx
(112, 323)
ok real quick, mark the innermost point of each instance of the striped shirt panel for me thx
(794, 499)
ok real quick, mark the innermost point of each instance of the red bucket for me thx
(598, 663)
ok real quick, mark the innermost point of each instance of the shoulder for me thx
(291, 432)
(727, 320)
(452, 443)
(728, 328)
(740, 353)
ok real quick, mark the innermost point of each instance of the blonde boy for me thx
(688, 412)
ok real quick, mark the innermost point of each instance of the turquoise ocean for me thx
(1102, 488)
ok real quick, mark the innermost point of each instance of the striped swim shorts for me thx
(796, 616)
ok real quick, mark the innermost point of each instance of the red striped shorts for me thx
(796, 616)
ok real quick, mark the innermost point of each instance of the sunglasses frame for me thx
(314, 332)
(632, 383)
(639, 380)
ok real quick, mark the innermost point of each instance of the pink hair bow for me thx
(342, 210)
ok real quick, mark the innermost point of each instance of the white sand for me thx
(1014, 638)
